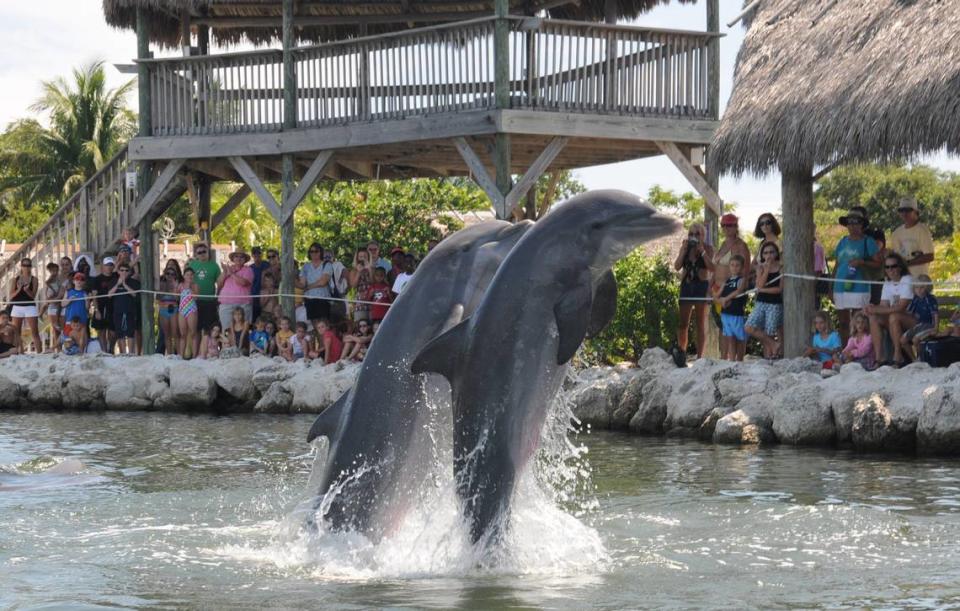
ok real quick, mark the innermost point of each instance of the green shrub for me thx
(646, 310)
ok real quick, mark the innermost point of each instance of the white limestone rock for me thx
(875, 428)
(938, 429)
(189, 387)
(318, 386)
(800, 418)
(10, 393)
(275, 401)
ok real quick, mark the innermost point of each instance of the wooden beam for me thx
(479, 173)
(746, 10)
(302, 140)
(310, 178)
(256, 185)
(530, 177)
(229, 206)
(693, 174)
(615, 127)
(328, 20)
(156, 190)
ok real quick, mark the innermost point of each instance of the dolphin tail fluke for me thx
(440, 353)
(604, 304)
(327, 422)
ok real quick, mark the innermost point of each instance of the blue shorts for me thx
(733, 326)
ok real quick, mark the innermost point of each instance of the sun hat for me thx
(241, 254)
(729, 219)
(854, 214)
(908, 203)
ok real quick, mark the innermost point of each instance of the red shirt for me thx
(336, 346)
(380, 293)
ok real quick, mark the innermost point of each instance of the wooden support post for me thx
(501, 164)
(533, 173)
(147, 263)
(713, 62)
(288, 271)
(149, 198)
(85, 219)
(501, 54)
(798, 295)
(711, 222)
(693, 174)
(479, 173)
(256, 185)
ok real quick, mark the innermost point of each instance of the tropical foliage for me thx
(88, 124)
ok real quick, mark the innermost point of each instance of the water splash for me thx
(548, 533)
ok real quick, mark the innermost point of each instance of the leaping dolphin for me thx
(370, 473)
(506, 363)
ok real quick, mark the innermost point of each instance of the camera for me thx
(693, 242)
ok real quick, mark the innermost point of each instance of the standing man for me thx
(234, 287)
(258, 265)
(205, 275)
(314, 279)
(912, 240)
(103, 305)
(373, 249)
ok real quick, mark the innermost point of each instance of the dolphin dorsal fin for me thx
(328, 421)
(604, 306)
(573, 318)
(440, 355)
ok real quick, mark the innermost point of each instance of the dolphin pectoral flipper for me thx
(328, 421)
(572, 314)
(604, 306)
(440, 354)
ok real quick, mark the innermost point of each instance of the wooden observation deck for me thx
(498, 97)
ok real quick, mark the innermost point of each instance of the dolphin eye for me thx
(597, 225)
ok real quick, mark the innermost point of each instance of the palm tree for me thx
(88, 124)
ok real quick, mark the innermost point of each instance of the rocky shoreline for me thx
(915, 409)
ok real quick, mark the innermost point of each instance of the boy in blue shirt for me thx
(730, 295)
(925, 309)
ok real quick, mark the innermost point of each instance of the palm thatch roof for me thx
(342, 16)
(821, 81)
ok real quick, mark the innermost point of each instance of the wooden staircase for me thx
(90, 221)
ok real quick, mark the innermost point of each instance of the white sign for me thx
(131, 180)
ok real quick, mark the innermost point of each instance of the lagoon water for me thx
(161, 510)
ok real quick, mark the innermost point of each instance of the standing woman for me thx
(23, 298)
(168, 304)
(695, 262)
(768, 232)
(51, 304)
(732, 245)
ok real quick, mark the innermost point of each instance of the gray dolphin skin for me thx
(506, 363)
(370, 465)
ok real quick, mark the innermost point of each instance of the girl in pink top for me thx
(860, 346)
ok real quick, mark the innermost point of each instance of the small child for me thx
(925, 309)
(860, 346)
(76, 301)
(299, 343)
(211, 345)
(283, 337)
(730, 296)
(327, 345)
(355, 344)
(259, 338)
(379, 294)
(129, 238)
(825, 345)
(75, 337)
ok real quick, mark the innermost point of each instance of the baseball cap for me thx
(79, 276)
(109, 261)
(729, 219)
(908, 203)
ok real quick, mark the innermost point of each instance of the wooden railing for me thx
(553, 65)
(89, 221)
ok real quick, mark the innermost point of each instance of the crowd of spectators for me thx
(880, 290)
(205, 308)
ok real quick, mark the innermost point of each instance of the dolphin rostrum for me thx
(370, 473)
(507, 361)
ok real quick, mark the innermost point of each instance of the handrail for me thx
(100, 205)
(554, 64)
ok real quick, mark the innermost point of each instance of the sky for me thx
(45, 39)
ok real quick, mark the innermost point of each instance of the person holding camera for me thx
(912, 240)
(695, 263)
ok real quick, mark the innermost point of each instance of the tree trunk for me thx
(798, 295)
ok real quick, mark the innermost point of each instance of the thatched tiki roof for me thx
(243, 20)
(824, 80)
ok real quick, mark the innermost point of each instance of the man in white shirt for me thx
(912, 240)
(409, 263)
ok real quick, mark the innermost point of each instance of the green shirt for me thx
(205, 275)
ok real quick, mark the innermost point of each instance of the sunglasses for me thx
(894, 266)
(312, 252)
(200, 252)
(854, 222)
(272, 257)
(26, 265)
(728, 225)
(766, 222)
